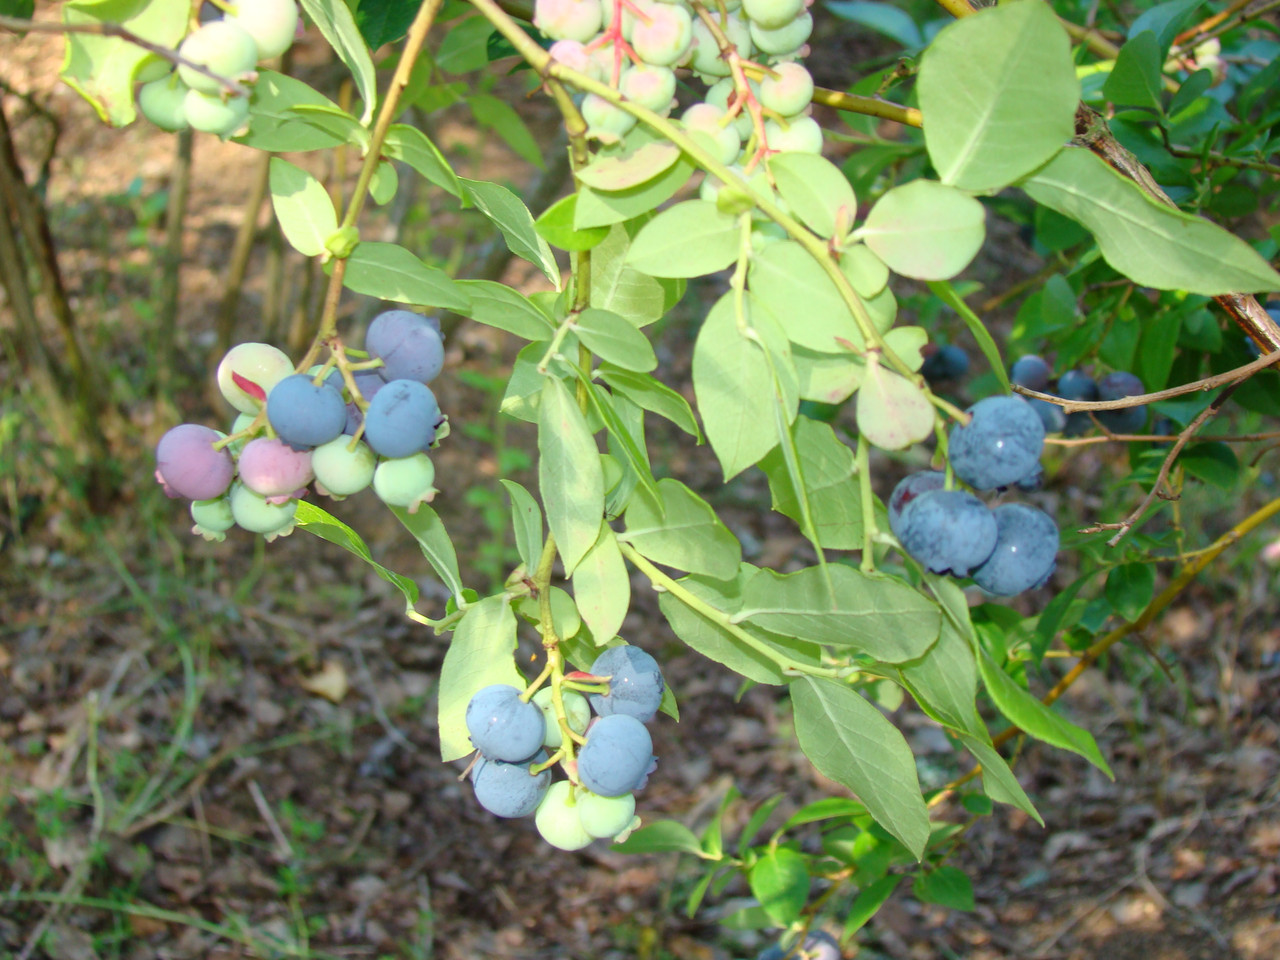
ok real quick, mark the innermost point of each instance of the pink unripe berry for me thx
(568, 19)
(651, 87)
(665, 38)
(270, 468)
(789, 92)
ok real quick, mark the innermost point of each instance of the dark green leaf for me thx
(869, 901)
(384, 21)
(465, 46)
(501, 117)
(415, 148)
(1130, 587)
(314, 520)
(1136, 78)
(780, 881)
(946, 886)
(1212, 462)
(661, 836)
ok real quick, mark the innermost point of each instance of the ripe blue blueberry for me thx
(1031, 372)
(1050, 414)
(616, 757)
(635, 685)
(303, 414)
(909, 487)
(1025, 553)
(949, 531)
(510, 789)
(818, 945)
(408, 344)
(502, 726)
(948, 362)
(1077, 385)
(401, 419)
(999, 446)
(1117, 386)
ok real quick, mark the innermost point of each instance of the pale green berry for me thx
(222, 46)
(787, 39)
(405, 481)
(705, 54)
(161, 102)
(605, 817)
(257, 515)
(557, 819)
(211, 114)
(707, 119)
(789, 91)
(241, 422)
(341, 470)
(272, 24)
(213, 518)
(577, 710)
(651, 87)
(605, 121)
(772, 14)
(259, 363)
(801, 135)
(721, 93)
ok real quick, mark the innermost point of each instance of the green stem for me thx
(721, 619)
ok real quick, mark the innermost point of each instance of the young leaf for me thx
(1129, 588)
(654, 396)
(315, 520)
(691, 239)
(685, 534)
(850, 741)
(526, 521)
(479, 654)
(569, 474)
(102, 69)
(602, 587)
(780, 881)
(1136, 78)
(1151, 244)
(924, 229)
(815, 190)
(946, 886)
(426, 527)
(893, 413)
(337, 23)
(1035, 718)
(512, 217)
(835, 499)
(615, 286)
(998, 91)
(615, 339)
(302, 206)
(415, 148)
(875, 615)
(733, 381)
(390, 272)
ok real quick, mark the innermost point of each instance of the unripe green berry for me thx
(161, 102)
(257, 515)
(705, 119)
(651, 87)
(405, 481)
(605, 817)
(605, 121)
(271, 23)
(557, 819)
(789, 92)
(213, 518)
(801, 135)
(222, 46)
(577, 710)
(772, 14)
(211, 114)
(341, 470)
(785, 40)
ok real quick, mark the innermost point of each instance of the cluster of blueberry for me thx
(294, 428)
(636, 46)
(1006, 550)
(1034, 373)
(513, 729)
(230, 47)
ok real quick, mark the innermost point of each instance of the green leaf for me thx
(277, 124)
(867, 273)
(480, 653)
(502, 119)
(815, 190)
(18, 8)
(882, 18)
(315, 520)
(893, 413)
(499, 306)
(385, 182)
(333, 120)
(103, 69)
(338, 25)
(1151, 244)
(652, 395)
(569, 474)
(998, 91)
(1212, 462)
(850, 741)
(828, 808)
(945, 681)
(713, 640)
(556, 227)
(615, 339)
(876, 615)
(686, 534)
(615, 286)
(601, 208)
(946, 886)
(1036, 719)
(632, 168)
(783, 276)
(1166, 20)
(1136, 78)
(691, 239)
(924, 229)
(1129, 589)
(626, 438)
(733, 382)
(384, 21)
(512, 217)
(835, 498)
(410, 145)
(758, 819)
(998, 780)
(427, 528)
(602, 587)
(948, 295)
(526, 521)
(302, 206)
(829, 378)
(780, 881)
(870, 898)
(390, 272)
(661, 836)
(465, 46)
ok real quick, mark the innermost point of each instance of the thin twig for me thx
(107, 29)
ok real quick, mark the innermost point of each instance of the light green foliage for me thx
(389, 271)
(569, 474)
(815, 190)
(684, 532)
(925, 230)
(302, 207)
(780, 881)
(688, 240)
(893, 413)
(602, 586)
(835, 497)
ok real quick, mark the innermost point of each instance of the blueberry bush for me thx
(831, 245)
